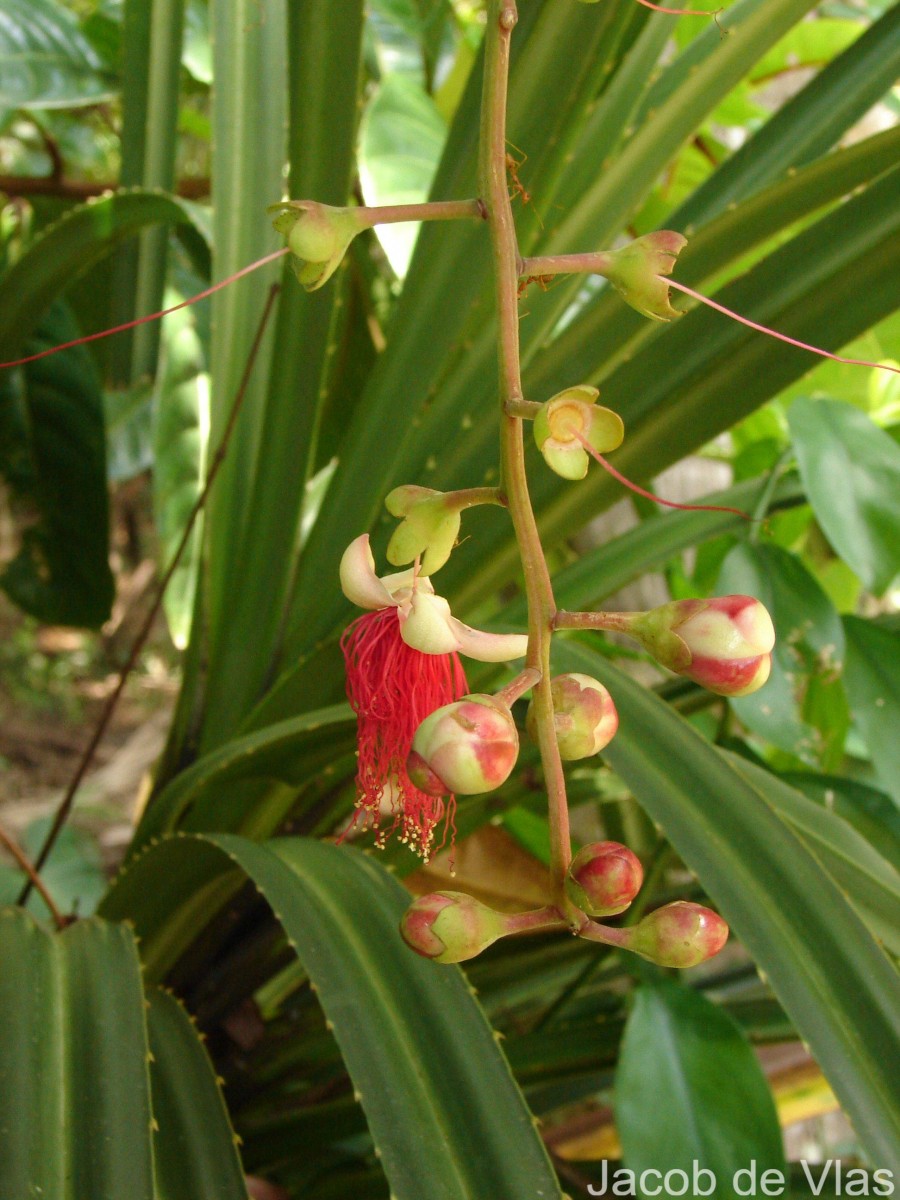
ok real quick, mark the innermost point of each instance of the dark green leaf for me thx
(53, 459)
(851, 471)
(718, 1112)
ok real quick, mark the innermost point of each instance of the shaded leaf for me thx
(53, 458)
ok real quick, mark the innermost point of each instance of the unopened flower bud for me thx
(450, 927)
(567, 418)
(603, 878)
(723, 643)
(466, 747)
(430, 527)
(679, 935)
(635, 269)
(317, 235)
(584, 716)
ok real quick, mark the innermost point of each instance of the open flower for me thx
(402, 665)
(568, 422)
(425, 620)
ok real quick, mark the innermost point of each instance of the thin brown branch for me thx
(34, 879)
(65, 806)
(82, 189)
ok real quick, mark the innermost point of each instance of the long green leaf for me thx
(75, 1112)
(248, 127)
(290, 750)
(870, 882)
(444, 1112)
(832, 978)
(256, 580)
(195, 1147)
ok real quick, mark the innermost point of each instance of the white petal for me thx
(405, 579)
(359, 582)
(425, 624)
(488, 647)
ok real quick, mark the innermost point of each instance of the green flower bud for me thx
(317, 235)
(603, 878)
(584, 716)
(467, 747)
(679, 935)
(430, 527)
(571, 413)
(450, 927)
(635, 269)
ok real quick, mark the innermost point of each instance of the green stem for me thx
(591, 263)
(527, 410)
(501, 20)
(519, 686)
(611, 622)
(548, 917)
(469, 497)
(439, 210)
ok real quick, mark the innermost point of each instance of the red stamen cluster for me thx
(392, 688)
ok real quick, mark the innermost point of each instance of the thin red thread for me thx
(607, 466)
(93, 337)
(680, 12)
(782, 337)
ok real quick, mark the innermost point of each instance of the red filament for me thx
(617, 475)
(392, 688)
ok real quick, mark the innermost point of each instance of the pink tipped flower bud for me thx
(634, 271)
(679, 935)
(317, 236)
(584, 716)
(466, 747)
(723, 643)
(450, 927)
(567, 418)
(603, 878)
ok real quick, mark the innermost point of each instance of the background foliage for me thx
(350, 1067)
